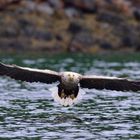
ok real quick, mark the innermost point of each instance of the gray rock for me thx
(72, 12)
(42, 7)
(109, 17)
(57, 4)
(128, 34)
(84, 5)
(46, 8)
(47, 36)
(106, 45)
(81, 41)
(75, 28)
(136, 14)
(9, 32)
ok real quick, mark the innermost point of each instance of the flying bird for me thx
(69, 83)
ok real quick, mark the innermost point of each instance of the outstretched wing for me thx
(110, 83)
(28, 74)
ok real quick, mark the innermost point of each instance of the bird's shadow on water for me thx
(73, 118)
(71, 115)
(66, 114)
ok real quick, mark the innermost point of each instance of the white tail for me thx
(66, 101)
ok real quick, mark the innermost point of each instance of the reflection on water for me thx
(28, 110)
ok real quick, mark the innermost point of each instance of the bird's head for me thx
(70, 77)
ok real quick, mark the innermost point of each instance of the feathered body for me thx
(68, 90)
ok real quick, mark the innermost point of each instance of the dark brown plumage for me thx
(48, 76)
(118, 84)
(29, 75)
(68, 91)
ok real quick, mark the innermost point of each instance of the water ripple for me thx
(28, 110)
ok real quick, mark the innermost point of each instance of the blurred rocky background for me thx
(69, 25)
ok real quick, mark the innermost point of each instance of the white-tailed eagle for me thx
(68, 90)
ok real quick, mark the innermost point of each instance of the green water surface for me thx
(27, 111)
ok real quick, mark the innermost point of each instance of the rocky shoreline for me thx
(69, 25)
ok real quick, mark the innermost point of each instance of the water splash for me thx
(66, 101)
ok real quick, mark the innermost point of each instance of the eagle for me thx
(70, 85)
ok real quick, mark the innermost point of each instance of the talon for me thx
(72, 96)
(62, 95)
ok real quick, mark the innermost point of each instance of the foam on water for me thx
(67, 101)
(27, 111)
